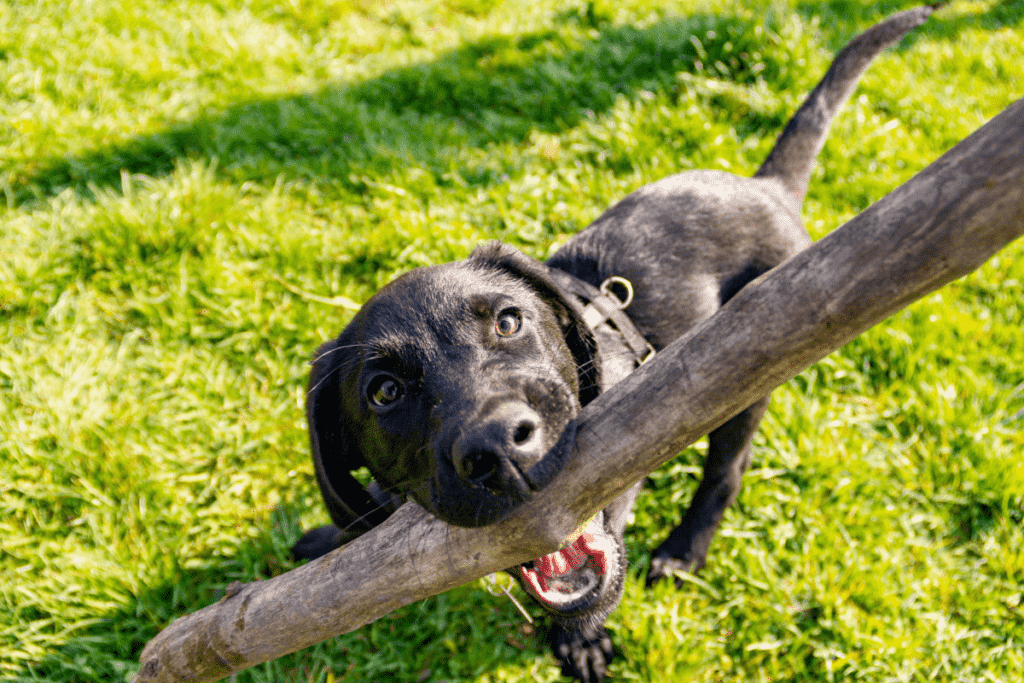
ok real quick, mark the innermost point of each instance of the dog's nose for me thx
(498, 452)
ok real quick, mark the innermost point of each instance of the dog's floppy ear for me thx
(351, 506)
(566, 308)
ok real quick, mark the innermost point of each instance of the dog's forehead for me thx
(437, 302)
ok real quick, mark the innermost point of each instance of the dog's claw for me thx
(668, 567)
(584, 654)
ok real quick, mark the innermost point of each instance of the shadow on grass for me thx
(494, 91)
(497, 90)
(843, 18)
(458, 634)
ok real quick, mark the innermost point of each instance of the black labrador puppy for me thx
(458, 385)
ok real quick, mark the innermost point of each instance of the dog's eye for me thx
(384, 390)
(507, 324)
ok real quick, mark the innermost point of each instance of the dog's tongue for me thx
(562, 562)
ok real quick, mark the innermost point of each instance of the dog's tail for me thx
(792, 158)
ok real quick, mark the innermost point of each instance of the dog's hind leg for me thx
(728, 456)
(787, 168)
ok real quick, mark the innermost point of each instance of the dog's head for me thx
(457, 385)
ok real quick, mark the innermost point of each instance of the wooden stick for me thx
(942, 224)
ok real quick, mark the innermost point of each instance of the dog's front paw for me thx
(584, 654)
(669, 568)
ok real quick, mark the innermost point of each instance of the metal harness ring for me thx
(606, 289)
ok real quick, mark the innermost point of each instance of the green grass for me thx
(184, 184)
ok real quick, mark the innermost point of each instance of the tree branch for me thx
(940, 225)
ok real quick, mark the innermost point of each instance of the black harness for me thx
(602, 305)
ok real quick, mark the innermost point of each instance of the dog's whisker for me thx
(335, 349)
(408, 486)
(362, 518)
(313, 389)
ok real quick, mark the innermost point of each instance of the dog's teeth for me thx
(561, 562)
(590, 545)
(535, 580)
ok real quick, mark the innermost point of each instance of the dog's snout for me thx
(479, 467)
(498, 451)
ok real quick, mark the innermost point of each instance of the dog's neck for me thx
(621, 346)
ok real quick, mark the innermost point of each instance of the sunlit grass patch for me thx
(193, 196)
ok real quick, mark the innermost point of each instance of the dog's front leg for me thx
(729, 446)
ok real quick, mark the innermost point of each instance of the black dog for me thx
(458, 385)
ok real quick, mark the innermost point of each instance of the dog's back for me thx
(692, 240)
(687, 244)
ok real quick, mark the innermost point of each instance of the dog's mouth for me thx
(572, 579)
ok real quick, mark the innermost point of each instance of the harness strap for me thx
(602, 305)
